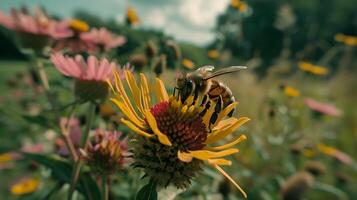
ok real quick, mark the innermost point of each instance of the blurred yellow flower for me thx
(239, 5)
(5, 157)
(25, 186)
(346, 39)
(317, 70)
(291, 92)
(78, 25)
(131, 16)
(106, 110)
(328, 150)
(188, 63)
(213, 54)
(309, 153)
(313, 69)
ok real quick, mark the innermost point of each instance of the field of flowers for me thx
(94, 109)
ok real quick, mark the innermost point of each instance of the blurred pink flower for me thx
(324, 108)
(103, 38)
(343, 157)
(75, 134)
(77, 68)
(39, 24)
(74, 45)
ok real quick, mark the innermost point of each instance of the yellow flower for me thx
(131, 16)
(174, 137)
(346, 39)
(313, 69)
(239, 5)
(79, 25)
(291, 92)
(340, 37)
(188, 63)
(106, 110)
(5, 157)
(25, 186)
(309, 153)
(330, 151)
(318, 70)
(213, 54)
(305, 66)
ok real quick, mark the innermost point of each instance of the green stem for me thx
(90, 116)
(105, 188)
(78, 165)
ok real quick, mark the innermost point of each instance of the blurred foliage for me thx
(271, 38)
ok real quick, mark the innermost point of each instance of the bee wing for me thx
(227, 70)
(206, 68)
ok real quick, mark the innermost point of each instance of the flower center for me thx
(184, 128)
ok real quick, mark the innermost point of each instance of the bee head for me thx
(180, 79)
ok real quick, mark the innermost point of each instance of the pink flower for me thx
(343, 157)
(106, 153)
(39, 24)
(324, 108)
(74, 45)
(77, 68)
(103, 38)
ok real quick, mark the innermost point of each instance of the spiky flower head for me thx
(105, 154)
(174, 138)
(90, 75)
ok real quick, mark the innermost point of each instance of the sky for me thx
(185, 20)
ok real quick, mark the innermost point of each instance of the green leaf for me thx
(62, 171)
(148, 192)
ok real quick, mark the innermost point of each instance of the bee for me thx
(202, 82)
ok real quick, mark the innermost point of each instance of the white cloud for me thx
(187, 20)
(201, 13)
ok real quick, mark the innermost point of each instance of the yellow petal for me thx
(228, 145)
(111, 85)
(146, 92)
(225, 123)
(220, 134)
(184, 157)
(127, 112)
(230, 179)
(225, 112)
(161, 92)
(220, 161)
(184, 109)
(134, 89)
(205, 154)
(153, 125)
(123, 96)
(136, 129)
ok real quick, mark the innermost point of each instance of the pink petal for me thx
(92, 63)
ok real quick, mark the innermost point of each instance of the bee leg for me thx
(230, 114)
(232, 100)
(217, 110)
(178, 91)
